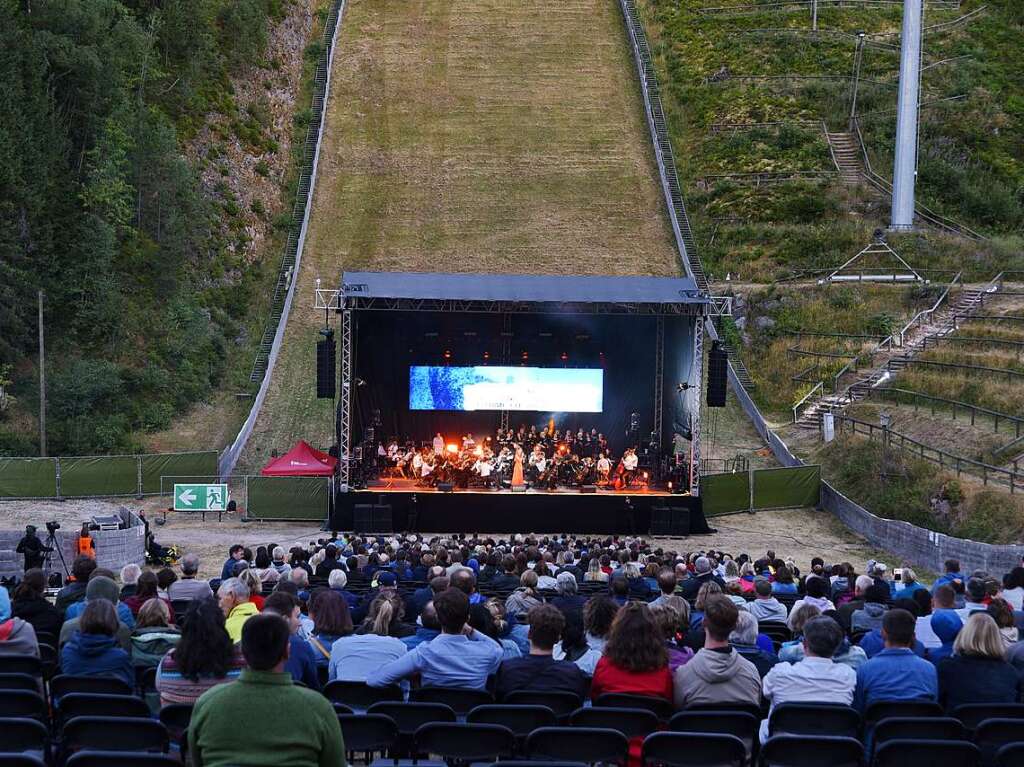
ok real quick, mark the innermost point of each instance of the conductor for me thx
(32, 548)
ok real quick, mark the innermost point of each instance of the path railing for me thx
(926, 315)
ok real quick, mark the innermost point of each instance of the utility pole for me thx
(905, 165)
(858, 56)
(42, 382)
(814, 15)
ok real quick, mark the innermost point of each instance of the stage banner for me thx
(28, 477)
(302, 498)
(786, 487)
(99, 475)
(183, 467)
(725, 493)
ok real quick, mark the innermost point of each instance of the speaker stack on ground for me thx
(718, 375)
(670, 520)
(372, 518)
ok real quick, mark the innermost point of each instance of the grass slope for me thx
(475, 136)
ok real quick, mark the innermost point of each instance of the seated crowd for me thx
(550, 614)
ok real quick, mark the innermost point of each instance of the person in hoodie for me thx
(17, 636)
(717, 674)
(124, 612)
(815, 594)
(153, 635)
(946, 625)
(100, 587)
(93, 650)
(873, 642)
(31, 606)
(870, 616)
(765, 606)
(952, 567)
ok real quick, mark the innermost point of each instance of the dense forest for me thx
(100, 206)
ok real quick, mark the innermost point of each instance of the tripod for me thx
(49, 546)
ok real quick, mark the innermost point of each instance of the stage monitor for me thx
(546, 390)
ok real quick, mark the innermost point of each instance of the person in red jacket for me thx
(635, 660)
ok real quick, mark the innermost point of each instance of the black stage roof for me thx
(423, 291)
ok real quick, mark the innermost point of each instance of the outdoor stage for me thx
(502, 511)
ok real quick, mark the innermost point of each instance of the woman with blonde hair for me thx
(375, 642)
(153, 634)
(666, 618)
(524, 598)
(594, 571)
(697, 615)
(252, 580)
(977, 672)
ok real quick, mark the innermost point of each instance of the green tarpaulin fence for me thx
(103, 475)
(725, 493)
(793, 486)
(299, 498)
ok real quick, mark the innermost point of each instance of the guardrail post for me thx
(57, 477)
(138, 476)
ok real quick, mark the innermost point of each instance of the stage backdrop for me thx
(388, 344)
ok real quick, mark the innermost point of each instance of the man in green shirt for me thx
(298, 727)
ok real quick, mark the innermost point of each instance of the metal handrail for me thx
(929, 312)
(806, 397)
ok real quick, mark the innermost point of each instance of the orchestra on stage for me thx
(544, 458)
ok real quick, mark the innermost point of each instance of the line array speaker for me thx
(718, 375)
(325, 369)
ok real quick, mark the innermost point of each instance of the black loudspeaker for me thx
(325, 369)
(588, 489)
(661, 520)
(369, 518)
(718, 375)
(445, 487)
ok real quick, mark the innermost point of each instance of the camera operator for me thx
(32, 548)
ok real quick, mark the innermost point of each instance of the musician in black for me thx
(32, 548)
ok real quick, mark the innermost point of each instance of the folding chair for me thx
(176, 717)
(367, 733)
(21, 664)
(884, 709)
(927, 753)
(560, 702)
(688, 749)
(359, 695)
(741, 724)
(96, 704)
(63, 684)
(465, 742)
(460, 699)
(814, 719)
(775, 630)
(409, 717)
(24, 703)
(992, 734)
(661, 707)
(22, 735)
(917, 728)
(811, 751)
(19, 681)
(973, 714)
(20, 760)
(578, 744)
(121, 759)
(114, 733)
(1011, 755)
(750, 708)
(631, 722)
(520, 719)
(49, 660)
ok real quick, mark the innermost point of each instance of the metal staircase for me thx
(846, 155)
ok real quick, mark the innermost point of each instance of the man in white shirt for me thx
(815, 679)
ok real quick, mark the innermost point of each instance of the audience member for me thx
(146, 589)
(876, 598)
(909, 585)
(635, 660)
(17, 636)
(784, 583)
(459, 657)
(896, 673)
(977, 671)
(375, 644)
(1013, 588)
(329, 563)
(568, 599)
(233, 598)
(331, 622)
(99, 587)
(189, 586)
(667, 583)
(538, 671)
(975, 598)
(31, 606)
(946, 625)
(702, 574)
(252, 581)
(951, 575)
(337, 581)
(525, 597)
(165, 578)
(305, 732)
(765, 606)
(129, 580)
(667, 619)
(81, 569)
(1002, 613)
(203, 657)
(235, 554)
(816, 590)
(428, 628)
(816, 678)
(153, 635)
(93, 650)
(301, 661)
(743, 639)
(598, 616)
(717, 673)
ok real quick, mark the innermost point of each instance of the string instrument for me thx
(619, 480)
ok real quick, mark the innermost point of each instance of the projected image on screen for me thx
(553, 390)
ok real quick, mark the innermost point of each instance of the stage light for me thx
(487, 356)
(670, 486)
(645, 475)
(478, 452)
(453, 448)
(447, 354)
(565, 357)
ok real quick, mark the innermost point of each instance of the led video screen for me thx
(549, 390)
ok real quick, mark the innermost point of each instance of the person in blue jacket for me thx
(94, 650)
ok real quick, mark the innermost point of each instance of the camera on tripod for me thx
(52, 526)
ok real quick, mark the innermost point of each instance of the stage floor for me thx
(399, 485)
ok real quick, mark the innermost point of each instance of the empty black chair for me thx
(23, 703)
(1011, 755)
(750, 708)
(460, 699)
(973, 714)
(19, 681)
(409, 717)
(22, 734)
(95, 704)
(561, 702)
(46, 637)
(63, 684)
(631, 722)
(578, 744)
(21, 664)
(884, 709)
(814, 719)
(521, 720)
(992, 734)
(775, 630)
(114, 733)
(368, 732)
(49, 660)
(661, 707)
(927, 753)
(741, 724)
(21, 760)
(921, 727)
(811, 751)
(465, 742)
(688, 749)
(359, 695)
(147, 680)
(121, 759)
(176, 718)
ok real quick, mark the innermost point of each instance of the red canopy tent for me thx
(303, 460)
